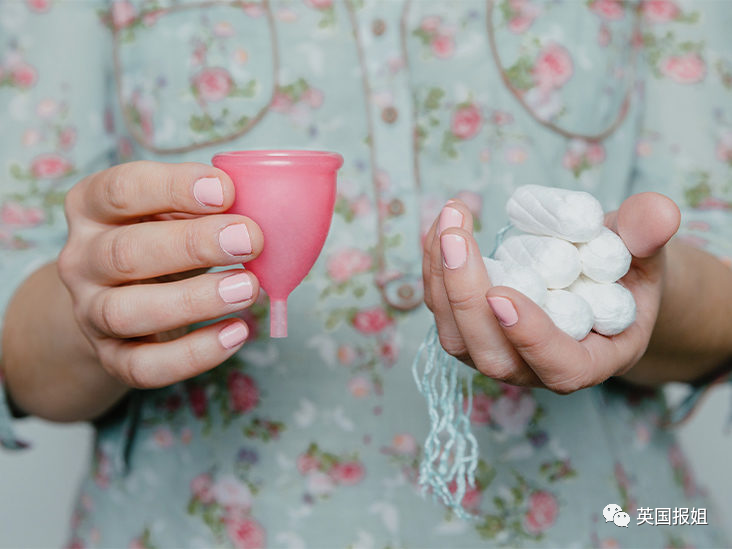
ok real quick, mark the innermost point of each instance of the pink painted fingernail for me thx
(208, 191)
(504, 310)
(234, 240)
(233, 335)
(449, 217)
(454, 250)
(236, 288)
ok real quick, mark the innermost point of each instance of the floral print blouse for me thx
(315, 440)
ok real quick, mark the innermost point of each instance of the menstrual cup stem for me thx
(278, 318)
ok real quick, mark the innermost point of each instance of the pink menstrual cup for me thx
(290, 195)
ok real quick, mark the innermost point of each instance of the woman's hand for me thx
(506, 336)
(139, 241)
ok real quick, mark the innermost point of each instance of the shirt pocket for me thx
(503, 90)
(190, 74)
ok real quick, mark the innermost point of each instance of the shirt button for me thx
(378, 27)
(405, 292)
(389, 115)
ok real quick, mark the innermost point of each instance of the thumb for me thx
(645, 222)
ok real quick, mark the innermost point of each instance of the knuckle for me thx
(566, 386)
(137, 371)
(192, 301)
(192, 239)
(453, 345)
(435, 269)
(192, 353)
(115, 189)
(65, 263)
(120, 252)
(496, 367)
(111, 318)
(464, 301)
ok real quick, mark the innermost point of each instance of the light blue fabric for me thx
(316, 440)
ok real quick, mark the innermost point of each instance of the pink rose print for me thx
(512, 414)
(224, 29)
(437, 36)
(604, 36)
(67, 137)
(348, 473)
(359, 386)
(346, 354)
(38, 6)
(684, 69)
(542, 513)
(522, 15)
(481, 411)
(123, 14)
(14, 214)
(313, 97)
(245, 533)
(388, 352)
(202, 488)
(430, 23)
(151, 17)
(346, 263)
(472, 200)
(553, 67)
(502, 118)
(319, 4)
(581, 156)
(23, 75)
(608, 9)
(545, 102)
(372, 321)
(232, 494)
(197, 399)
(404, 444)
(243, 392)
(163, 437)
(471, 498)
(660, 11)
(443, 46)
(724, 147)
(466, 122)
(306, 463)
(50, 166)
(213, 84)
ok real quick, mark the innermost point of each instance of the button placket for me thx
(395, 187)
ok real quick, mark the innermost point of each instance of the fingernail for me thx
(208, 191)
(234, 240)
(449, 217)
(504, 310)
(233, 335)
(454, 250)
(236, 288)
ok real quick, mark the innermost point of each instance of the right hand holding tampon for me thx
(505, 335)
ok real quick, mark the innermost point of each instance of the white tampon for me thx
(604, 258)
(569, 312)
(571, 215)
(521, 278)
(557, 261)
(613, 306)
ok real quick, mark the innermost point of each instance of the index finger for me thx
(137, 189)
